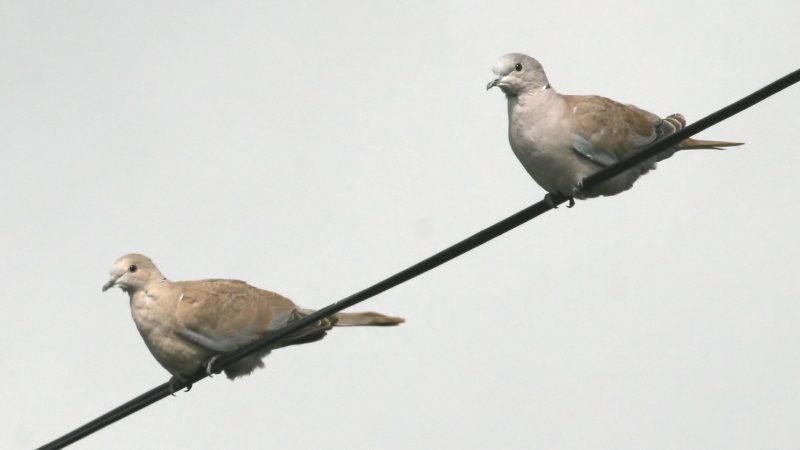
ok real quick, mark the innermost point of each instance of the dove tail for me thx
(366, 319)
(675, 122)
(697, 144)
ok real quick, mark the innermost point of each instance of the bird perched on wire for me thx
(186, 324)
(561, 139)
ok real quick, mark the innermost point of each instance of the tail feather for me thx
(366, 319)
(698, 144)
(675, 122)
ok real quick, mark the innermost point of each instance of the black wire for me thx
(434, 261)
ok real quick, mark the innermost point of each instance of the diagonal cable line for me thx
(432, 262)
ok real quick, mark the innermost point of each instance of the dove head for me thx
(518, 74)
(133, 272)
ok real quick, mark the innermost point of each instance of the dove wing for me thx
(221, 315)
(605, 131)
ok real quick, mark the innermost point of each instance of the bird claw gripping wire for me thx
(174, 382)
(209, 366)
(578, 188)
(548, 198)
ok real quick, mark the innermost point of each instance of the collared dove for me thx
(185, 324)
(561, 139)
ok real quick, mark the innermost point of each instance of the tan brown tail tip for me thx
(697, 144)
(366, 319)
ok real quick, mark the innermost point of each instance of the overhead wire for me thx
(430, 263)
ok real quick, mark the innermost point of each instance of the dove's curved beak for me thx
(110, 284)
(493, 83)
(496, 82)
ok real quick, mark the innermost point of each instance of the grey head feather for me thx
(518, 74)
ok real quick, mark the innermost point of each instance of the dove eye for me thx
(133, 268)
(518, 67)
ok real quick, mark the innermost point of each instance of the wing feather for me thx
(221, 315)
(606, 131)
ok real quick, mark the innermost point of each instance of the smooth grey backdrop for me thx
(313, 149)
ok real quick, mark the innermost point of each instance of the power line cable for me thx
(432, 262)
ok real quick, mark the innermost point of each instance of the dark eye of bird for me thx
(133, 268)
(518, 67)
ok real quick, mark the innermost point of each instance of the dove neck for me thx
(138, 293)
(137, 298)
(539, 100)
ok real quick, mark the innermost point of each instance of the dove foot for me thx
(548, 198)
(552, 203)
(209, 366)
(174, 384)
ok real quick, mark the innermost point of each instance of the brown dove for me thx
(185, 324)
(561, 139)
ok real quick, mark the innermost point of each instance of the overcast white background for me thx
(314, 149)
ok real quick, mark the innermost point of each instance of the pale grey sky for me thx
(314, 149)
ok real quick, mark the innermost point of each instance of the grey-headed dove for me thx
(561, 139)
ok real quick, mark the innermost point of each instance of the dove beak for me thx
(493, 83)
(111, 283)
